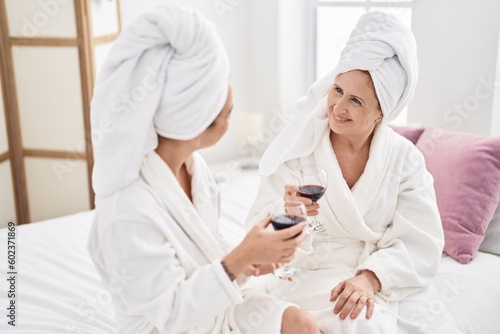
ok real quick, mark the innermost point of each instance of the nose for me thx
(340, 106)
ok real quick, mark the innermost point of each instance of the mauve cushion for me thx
(410, 133)
(466, 171)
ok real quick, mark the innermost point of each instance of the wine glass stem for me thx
(286, 271)
(315, 225)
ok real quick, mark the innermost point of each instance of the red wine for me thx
(312, 191)
(284, 221)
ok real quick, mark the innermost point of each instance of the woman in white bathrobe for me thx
(162, 94)
(383, 237)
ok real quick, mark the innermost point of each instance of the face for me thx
(353, 107)
(218, 128)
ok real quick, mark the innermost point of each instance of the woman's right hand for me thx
(292, 194)
(265, 246)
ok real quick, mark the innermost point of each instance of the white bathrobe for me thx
(159, 255)
(387, 223)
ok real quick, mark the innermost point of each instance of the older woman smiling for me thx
(383, 238)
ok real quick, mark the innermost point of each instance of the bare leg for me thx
(297, 321)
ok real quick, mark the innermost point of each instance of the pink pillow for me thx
(410, 133)
(466, 171)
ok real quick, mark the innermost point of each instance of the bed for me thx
(59, 291)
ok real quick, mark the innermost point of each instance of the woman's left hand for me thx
(354, 293)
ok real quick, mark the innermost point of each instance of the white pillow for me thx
(491, 242)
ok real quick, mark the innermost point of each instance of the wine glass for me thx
(285, 214)
(312, 184)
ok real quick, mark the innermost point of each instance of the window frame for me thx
(314, 5)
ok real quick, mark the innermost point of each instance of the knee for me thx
(308, 323)
(297, 321)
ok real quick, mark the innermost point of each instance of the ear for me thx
(196, 142)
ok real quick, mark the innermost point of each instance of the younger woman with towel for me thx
(162, 94)
(370, 270)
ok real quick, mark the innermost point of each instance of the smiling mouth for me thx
(340, 119)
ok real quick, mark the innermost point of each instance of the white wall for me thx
(266, 44)
(294, 39)
(457, 50)
(232, 21)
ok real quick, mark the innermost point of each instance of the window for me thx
(334, 21)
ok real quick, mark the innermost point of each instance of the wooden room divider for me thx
(50, 52)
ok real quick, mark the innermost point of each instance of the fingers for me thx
(267, 269)
(291, 232)
(359, 304)
(370, 305)
(287, 258)
(269, 246)
(291, 194)
(349, 304)
(341, 301)
(295, 240)
(351, 299)
(336, 291)
(313, 209)
(252, 270)
(291, 190)
(265, 222)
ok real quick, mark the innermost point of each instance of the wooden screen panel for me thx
(41, 18)
(50, 98)
(7, 204)
(4, 144)
(56, 187)
(105, 18)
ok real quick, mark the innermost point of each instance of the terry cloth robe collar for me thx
(350, 205)
(175, 201)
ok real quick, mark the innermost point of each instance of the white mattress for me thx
(472, 292)
(59, 290)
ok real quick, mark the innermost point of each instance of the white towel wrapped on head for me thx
(380, 44)
(166, 74)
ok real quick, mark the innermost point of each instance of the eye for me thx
(338, 90)
(356, 101)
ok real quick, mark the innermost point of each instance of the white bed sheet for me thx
(471, 292)
(59, 290)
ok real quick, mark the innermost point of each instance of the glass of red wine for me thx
(285, 214)
(312, 184)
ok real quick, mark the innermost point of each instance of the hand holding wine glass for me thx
(263, 246)
(292, 194)
(312, 184)
(286, 214)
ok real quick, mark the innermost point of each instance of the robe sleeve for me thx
(409, 251)
(157, 287)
